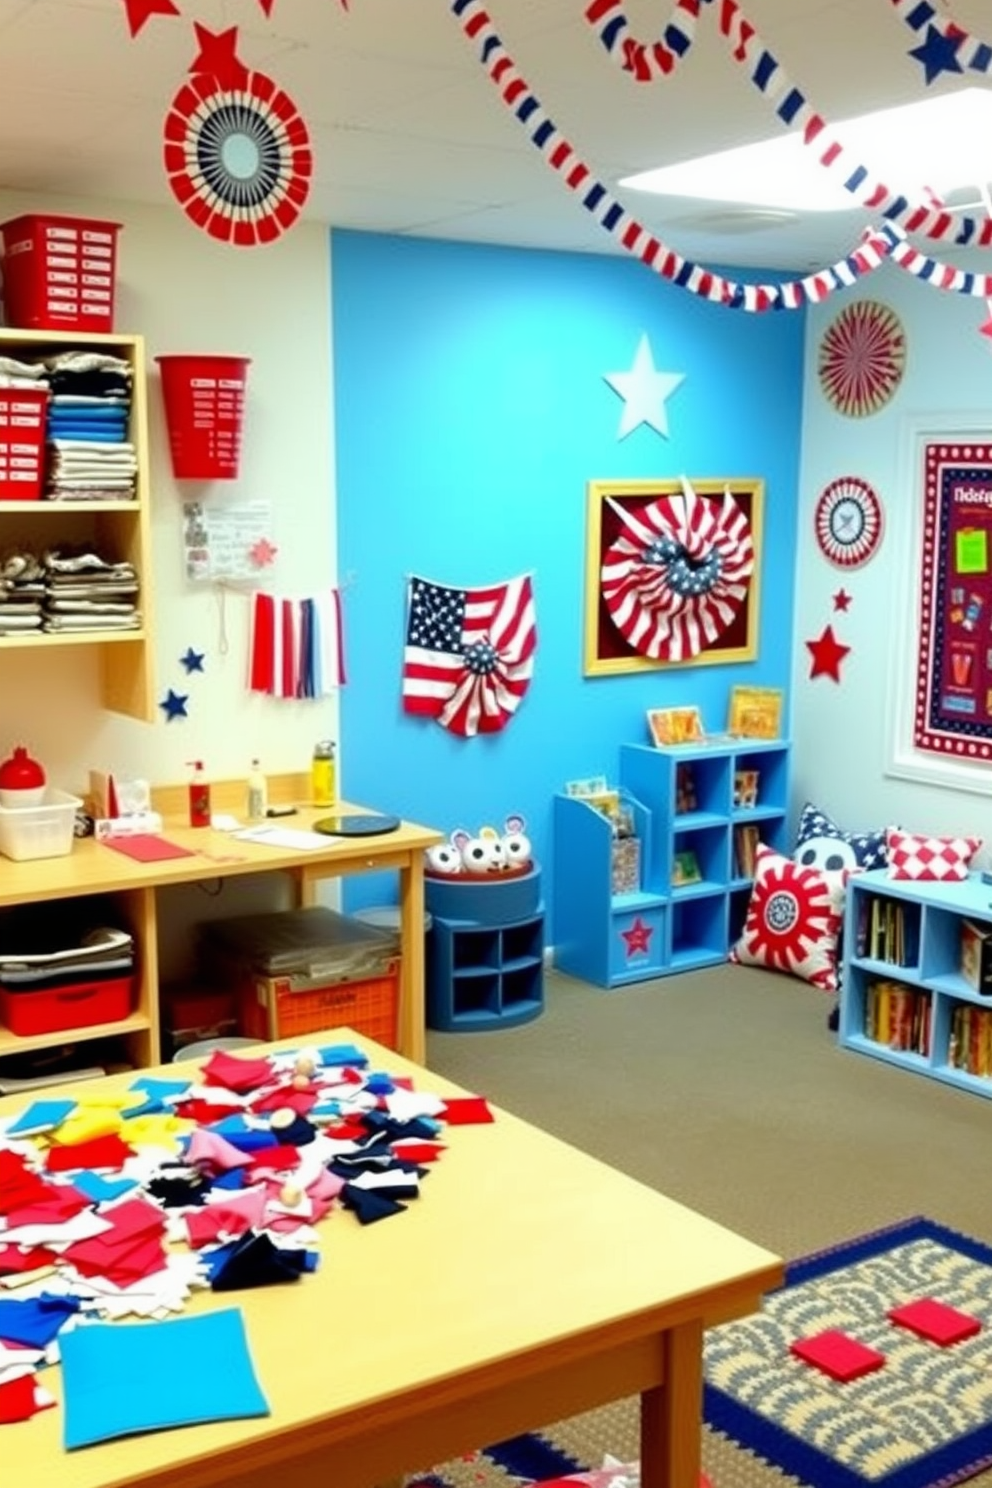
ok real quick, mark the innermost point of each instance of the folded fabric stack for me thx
(17, 374)
(22, 592)
(86, 592)
(91, 457)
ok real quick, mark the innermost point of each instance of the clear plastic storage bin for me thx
(44, 831)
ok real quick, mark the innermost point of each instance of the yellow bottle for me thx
(322, 782)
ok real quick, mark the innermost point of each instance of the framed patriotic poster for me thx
(953, 704)
(672, 571)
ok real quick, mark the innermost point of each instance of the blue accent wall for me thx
(471, 409)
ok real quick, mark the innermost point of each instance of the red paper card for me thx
(145, 847)
(467, 1110)
(838, 1355)
(936, 1321)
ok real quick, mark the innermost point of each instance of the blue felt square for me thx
(41, 1116)
(121, 1381)
(821, 844)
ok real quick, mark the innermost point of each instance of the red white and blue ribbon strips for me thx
(296, 646)
(886, 242)
(675, 578)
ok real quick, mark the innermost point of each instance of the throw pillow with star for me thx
(821, 843)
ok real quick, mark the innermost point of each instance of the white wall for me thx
(845, 736)
(185, 293)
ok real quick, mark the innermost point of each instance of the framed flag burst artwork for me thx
(672, 571)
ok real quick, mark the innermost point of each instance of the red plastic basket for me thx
(204, 405)
(55, 1009)
(59, 273)
(23, 414)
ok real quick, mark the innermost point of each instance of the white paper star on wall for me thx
(644, 391)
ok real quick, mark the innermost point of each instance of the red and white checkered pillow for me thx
(793, 920)
(944, 859)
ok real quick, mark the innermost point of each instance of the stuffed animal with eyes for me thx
(516, 844)
(481, 855)
(443, 859)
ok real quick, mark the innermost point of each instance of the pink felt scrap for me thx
(286, 1098)
(211, 1151)
(240, 1075)
(132, 1248)
(226, 1219)
(60, 1201)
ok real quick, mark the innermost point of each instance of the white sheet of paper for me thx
(282, 837)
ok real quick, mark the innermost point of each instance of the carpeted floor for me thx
(725, 1090)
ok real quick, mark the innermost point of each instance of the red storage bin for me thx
(72, 1005)
(23, 414)
(204, 405)
(59, 273)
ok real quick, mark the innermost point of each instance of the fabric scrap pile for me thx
(84, 591)
(121, 1206)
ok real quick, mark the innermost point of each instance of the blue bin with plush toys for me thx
(485, 952)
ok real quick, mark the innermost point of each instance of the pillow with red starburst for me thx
(793, 920)
(943, 859)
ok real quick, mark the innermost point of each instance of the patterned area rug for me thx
(922, 1420)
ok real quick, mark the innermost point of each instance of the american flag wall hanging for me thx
(469, 653)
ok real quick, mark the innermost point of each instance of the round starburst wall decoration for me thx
(862, 358)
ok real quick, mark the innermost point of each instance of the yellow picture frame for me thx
(605, 651)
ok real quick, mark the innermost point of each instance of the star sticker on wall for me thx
(262, 552)
(217, 58)
(638, 938)
(139, 11)
(842, 600)
(644, 391)
(939, 53)
(827, 653)
(174, 705)
(192, 661)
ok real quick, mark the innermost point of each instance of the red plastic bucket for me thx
(204, 406)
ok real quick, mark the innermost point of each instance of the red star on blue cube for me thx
(638, 938)
(827, 653)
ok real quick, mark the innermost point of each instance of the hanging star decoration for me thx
(938, 53)
(644, 391)
(140, 11)
(262, 553)
(985, 329)
(827, 653)
(638, 938)
(217, 57)
(192, 661)
(174, 705)
(842, 600)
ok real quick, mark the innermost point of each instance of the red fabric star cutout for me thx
(139, 11)
(985, 329)
(262, 552)
(638, 937)
(217, 57)
(842, 600)
(827, 653)
(267, 7)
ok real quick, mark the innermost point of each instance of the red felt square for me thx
(838, 1355)
(467, 1110)
(936, 1321)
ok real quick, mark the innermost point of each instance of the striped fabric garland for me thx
(971, 53)
(643, 62)
(296, 647)
(877, 245)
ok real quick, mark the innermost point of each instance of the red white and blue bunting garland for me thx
(947, 47)
(790, 106)
(878, 244)
(296, 646)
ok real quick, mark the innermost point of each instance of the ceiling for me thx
(409, 135)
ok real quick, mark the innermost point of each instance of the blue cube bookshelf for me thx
(485, 953)
(670, 923)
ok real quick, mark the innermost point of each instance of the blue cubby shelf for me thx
(613, 939)
(485, 952)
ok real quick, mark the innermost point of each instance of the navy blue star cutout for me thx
(192, 661)
(174, 705)
(939, 53)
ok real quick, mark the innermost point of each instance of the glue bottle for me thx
(199, 796)
(258, 794)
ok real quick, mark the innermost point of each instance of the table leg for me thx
(672, 1414)
(412, 1022)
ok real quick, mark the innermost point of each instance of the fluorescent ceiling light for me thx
(941, 143)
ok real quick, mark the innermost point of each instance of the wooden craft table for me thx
(93, 868)
(529, 1282)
